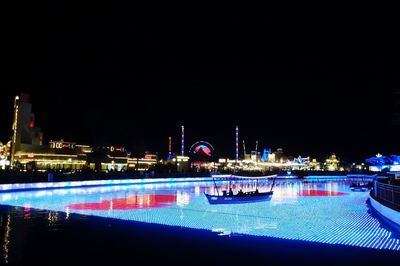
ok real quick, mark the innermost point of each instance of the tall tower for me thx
(24, 130)
(183, 142)
(237, 143)
(169, 156)
(15, 127)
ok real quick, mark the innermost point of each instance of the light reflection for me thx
(5, 197)
(197, 191)
(27, 211)
(52, 218)
(130, 202)
(6, 241)
(66, 213)
(182, 198)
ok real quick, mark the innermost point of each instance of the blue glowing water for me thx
(324, 212)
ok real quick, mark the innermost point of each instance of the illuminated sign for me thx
(202, 147)
(113, 148)
(62, 145)
(149, 157)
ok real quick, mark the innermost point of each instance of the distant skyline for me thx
(62, 119)
(309, 82)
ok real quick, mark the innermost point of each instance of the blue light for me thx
(264, 157)
(384, 161)
(291, 214)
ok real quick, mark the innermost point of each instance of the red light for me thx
(313, 193)
(32, 121)
(134, 202)
(27, 212)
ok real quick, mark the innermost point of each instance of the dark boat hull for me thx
(238, 199)
(355, 188)
(360, 187)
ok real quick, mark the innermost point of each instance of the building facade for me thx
(28, 151)
(5, 154)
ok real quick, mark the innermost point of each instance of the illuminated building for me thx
(271, 157)
(109, 159)
(279, 156)
(57, 155)
(383, 163)
(5, 152)
(315, 165)
(182, 163)
(24, 130)
(143, 164)
(265, 155)
(118, 159)
(28, 151)
(332, 163)
(254, 156)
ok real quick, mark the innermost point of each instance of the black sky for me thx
(311, 78)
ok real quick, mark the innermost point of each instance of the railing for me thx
(387, 194)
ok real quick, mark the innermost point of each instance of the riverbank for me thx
(40, 177)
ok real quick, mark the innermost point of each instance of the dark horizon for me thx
(290, 77)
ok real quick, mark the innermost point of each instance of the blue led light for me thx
(293, 213)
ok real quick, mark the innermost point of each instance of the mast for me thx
(273, 184)
(215, 185)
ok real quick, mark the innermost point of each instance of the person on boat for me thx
(240, 192)
(230, 192)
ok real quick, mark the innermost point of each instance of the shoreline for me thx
(44, 177)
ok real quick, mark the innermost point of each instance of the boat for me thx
(359, 186)
(247, 197)
(240, 197)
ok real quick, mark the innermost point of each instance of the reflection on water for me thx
(324, 212)
(182, 198)
(18, 224)
(27, 212)
(6, 240)
(142, 201)
(52, 218)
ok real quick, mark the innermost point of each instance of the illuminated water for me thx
(323, 212)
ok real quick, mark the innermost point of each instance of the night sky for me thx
(310, 78)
